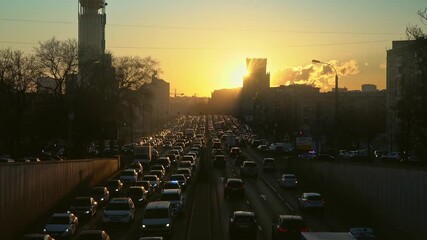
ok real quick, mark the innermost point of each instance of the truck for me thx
(143, 155)
(327, 236)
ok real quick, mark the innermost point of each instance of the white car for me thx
(129, 176)
(119, 210)
(61, 225)
(288, 180)
(311, 200)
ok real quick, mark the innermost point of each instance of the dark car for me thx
(93, 235)
(243, 225)
(84, 207)
(138, 168)
(165, 162)
(180, 178)
(147, 186)
(235, 151)
(173, 158)
(100, 194)
(234, 187)
(171, 185)
(114, 186)
(289, 227)
(138, 194)
(219, 161)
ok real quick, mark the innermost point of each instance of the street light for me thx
(336, 102)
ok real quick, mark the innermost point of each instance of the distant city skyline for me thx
(203, 45)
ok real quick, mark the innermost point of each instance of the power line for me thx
(207, 29)
(221, 48)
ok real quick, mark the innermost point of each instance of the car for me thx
(84, 207)
(154, 154)
(129, 176)
(157, 219)
(362, 233)
(180, 149)
(165, 162)
(100, 194)
(234, 187)
(114, 186)
(220, 161)
(262, 148)
(288, 180)
(235, 151)
(138, 168)
(147, 186)
(37, 236)
(311, 200)
(61, 225)
(138, 194)
(154, 180)
(158, 173)
(171, 185)
(186, 164)
(243, 225)
(180, 178)
(174, 196)
(173, 158)
(392, 157)
(119, 210)
(268, 164)
(249, 169)
(93, 235)
(288, 227)
(307, 155)
(186, 171)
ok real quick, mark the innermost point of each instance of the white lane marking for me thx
(247, 202)
(277, 193)
(263, 197)
(259, 228)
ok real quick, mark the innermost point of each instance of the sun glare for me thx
(237, 74)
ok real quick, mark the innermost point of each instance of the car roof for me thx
(268, 159)
(291, 217)
(234, 180)
(119, 200)
(312, 194)
(248, 162)
(244, 213)
(158, 204)
(171, 191)
(66, 214)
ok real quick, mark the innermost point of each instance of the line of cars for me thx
(285, 226)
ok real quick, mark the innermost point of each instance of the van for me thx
(157, 219)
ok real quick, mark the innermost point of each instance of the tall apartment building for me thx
(406, 72)
(255, 85)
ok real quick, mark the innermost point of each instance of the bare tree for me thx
(57, 60)
(414, 32)
(17, 74)
(133, 72)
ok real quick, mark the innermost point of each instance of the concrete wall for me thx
(31, 189)
(395, 196)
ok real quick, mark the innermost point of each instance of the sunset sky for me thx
(202, 44)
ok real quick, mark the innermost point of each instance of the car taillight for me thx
(282, 229)
(305, 229)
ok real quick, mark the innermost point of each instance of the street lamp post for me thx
(336, 103)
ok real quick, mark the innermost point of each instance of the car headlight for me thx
(44, 230)
(87, 212)
(66, 230)
(141, 199)
(117, 190)
(143, 226)
(167, 224)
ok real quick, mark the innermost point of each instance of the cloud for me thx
(383, 66)
(319, 75)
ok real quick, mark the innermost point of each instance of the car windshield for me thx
(134, 191)
(81, 202)
(250, 164)
(183, 171)
(157, 168)
(177, 178)
(98, 191)
(314, 198)
(59, 220)
(112, 184)
(117, 206)
(170, 186)
(244, 219)
(293, 224)
(170, 197)
(150, 178)
(234, 183)
(289, 177)
(156, 213)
